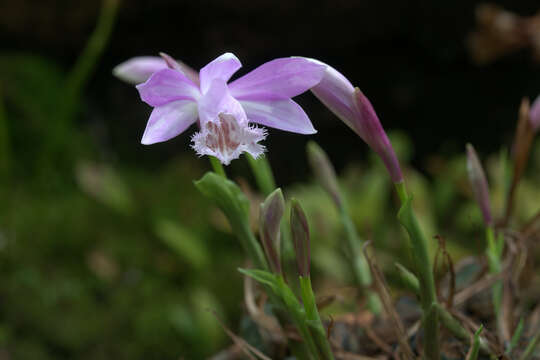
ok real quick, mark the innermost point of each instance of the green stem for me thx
(216, 165)
(263, 173)
(358, 262)
(402, 192)
(531, 347)
(77, 78)
(253, 248)
(493, 253)
(94, 48)
(457, 329)
(475, 347)
(314, 319)
(419, 254)
(298, 316)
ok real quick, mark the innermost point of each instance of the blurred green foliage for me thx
(101, 261)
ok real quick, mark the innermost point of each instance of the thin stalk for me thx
(217, 166)
(253, 248)
(312, 313)
(420, 257)
(298, 316)
(95, 46)
(493, 253)
(530, 347)
(263, 173)
(516, 337)
(457, 329)
(77, 78)
(358, 262)
(475, 347)
(326, 176)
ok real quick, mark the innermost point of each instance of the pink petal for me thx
(167, 85)
(336, 93)
(222, 68)
(278, 79)
(138, 69)
(279, 114)
(169, 120)
(217, 100)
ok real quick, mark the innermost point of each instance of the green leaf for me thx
(409, 280)
(262, 276)
(516, 336)
(226, 194)
(235, 205)
(473, 353)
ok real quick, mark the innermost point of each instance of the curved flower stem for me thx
(423, 269)
(216, 165)
(314, 319)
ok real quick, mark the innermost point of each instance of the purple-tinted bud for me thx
(269, 220)
(138, 69)
(374, 135)
(351, 106)
(479, 184)
(180, 66)
(300, 235)
(534, 114)
(171, 63)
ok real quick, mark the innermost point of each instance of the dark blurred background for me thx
(410, 58)
(106, 249)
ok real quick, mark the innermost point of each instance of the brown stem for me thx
(521, 149)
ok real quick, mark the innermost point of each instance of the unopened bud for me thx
(479, 184)
(324, 171)
(300, 235)
(269, 220)
(353, 108)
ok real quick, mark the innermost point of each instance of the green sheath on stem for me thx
(314, 319)
(299, 317)
(234, 204)
(419, 253)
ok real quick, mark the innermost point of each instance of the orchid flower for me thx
(226, 112)
(353, 108)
